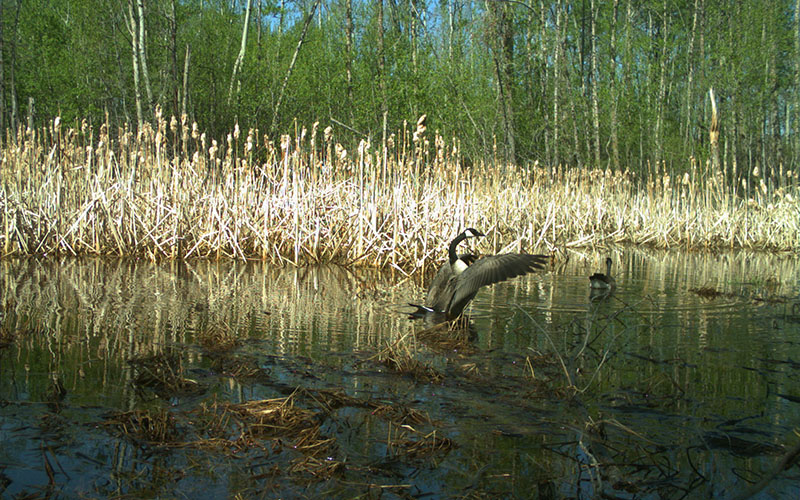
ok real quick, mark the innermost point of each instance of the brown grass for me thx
(167, 192)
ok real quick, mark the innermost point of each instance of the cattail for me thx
(314, 134)
(421, 124)
(341, 152)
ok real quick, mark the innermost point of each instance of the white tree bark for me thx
(237, 66)
(142, 53)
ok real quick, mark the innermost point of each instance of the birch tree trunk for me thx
(595, 106)
(544, 53)
(503, 53)
(131, 22)
(173, 53)
(237, 65)
(382, 77)
(796, 103)
(13, 84)
(662, 89)
(289, 71)
(2, 77)
(612, 82)
(143, 54)
(687, 135)
(185, 93)
(348, 46)
(557, 82)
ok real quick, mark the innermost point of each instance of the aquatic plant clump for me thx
(168, 191)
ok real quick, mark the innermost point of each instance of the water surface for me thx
(661, 389)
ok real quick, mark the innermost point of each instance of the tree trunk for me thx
(687, 135)
(382, 75)
(560, 30)
(451, 30)
(595, 105)
(502, 46)
(289, 71)
(173, 53)
(131, 24)
(348, 45)
(185, 93)
(544, 54)
(143, 54)
(237, 65)
(2, 78)
(612, 82)
(12, 64)
(713, 131)
(414, 67)
(662, 90)
(796, 103)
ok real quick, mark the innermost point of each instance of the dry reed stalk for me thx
(160, 196)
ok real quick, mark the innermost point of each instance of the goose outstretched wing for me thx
(487, 271)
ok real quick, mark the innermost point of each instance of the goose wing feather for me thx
(438, 285)
(487, 271)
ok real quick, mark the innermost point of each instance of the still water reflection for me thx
(682, 383)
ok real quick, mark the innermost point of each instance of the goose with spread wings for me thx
(458, 280)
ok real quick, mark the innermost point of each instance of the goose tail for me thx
(421, 311)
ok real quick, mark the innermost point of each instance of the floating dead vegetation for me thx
(401, 415)
(218, 339)
(399, 358)
(423, 447)
(155, 426)
(316, 469)
(239, 367)
(277, 417)
(450, 336)
(163, 374)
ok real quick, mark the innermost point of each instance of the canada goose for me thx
(460, 278)
(600, 280)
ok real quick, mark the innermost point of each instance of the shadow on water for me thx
(124, 378)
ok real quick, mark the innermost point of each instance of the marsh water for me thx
(684, 382)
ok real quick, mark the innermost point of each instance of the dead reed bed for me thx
(167, 191)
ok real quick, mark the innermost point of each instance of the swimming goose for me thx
(460, 278)
(600, 280)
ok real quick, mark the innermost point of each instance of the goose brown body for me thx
(600, 280)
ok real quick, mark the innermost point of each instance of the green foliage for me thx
(74, 58)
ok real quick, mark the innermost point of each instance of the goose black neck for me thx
(453, 244)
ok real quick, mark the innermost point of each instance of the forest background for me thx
(623, 83)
